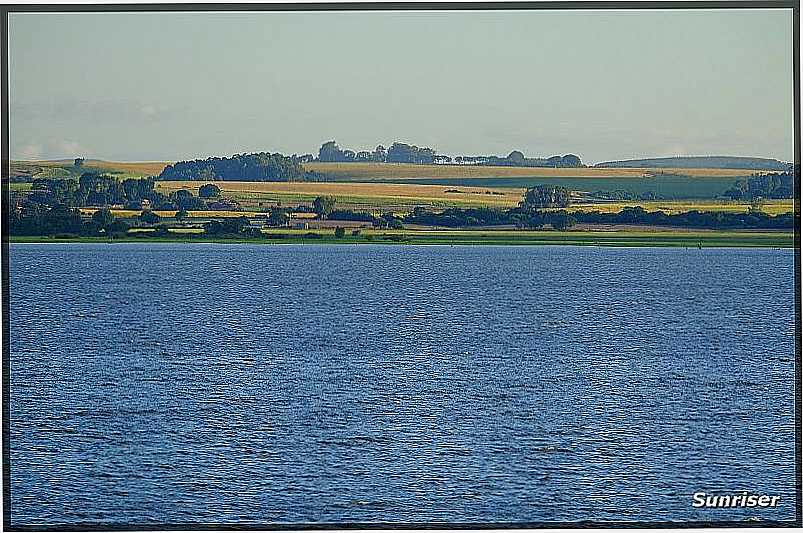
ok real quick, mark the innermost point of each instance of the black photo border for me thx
(7, 9)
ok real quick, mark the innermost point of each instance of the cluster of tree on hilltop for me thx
(330, 152)
(517, 159)
(763, 186)
(262, 166)
(400, 152)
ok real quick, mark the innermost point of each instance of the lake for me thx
(210, 383)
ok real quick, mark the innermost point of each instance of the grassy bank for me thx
(688, 239)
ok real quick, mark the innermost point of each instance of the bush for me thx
(210, 190)
(561, 221)
(546, 196)
(149, 217)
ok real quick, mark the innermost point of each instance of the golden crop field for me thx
(143, 168)
(362, 193)
(126, 168)
(368, 195)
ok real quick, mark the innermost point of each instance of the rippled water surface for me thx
(184, 383)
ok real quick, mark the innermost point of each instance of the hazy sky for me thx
(603, 85)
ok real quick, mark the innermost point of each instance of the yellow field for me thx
(127, 168)
(144, 168)
(377, 195)
(367, 193)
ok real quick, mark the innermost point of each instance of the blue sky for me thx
(603, 85)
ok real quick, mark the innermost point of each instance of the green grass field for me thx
(667, 186)
(686, 239)
(404, 171)
(667, 183)
(402, 198)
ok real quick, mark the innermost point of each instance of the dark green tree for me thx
(278, 217)
(103, 218)
(571, 161)
(210, 190)
(262, 166)
(226, 226)
(406, 153)
(324, 205)
(330, 152)
(561, 221)
(149, 217)
(516, 157)
(183, 199)
(542, 196)
(340, 232)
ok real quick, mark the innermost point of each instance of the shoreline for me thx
(608, 239)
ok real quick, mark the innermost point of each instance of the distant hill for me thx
(712, 161)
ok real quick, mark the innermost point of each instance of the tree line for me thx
(92, 189)
(262, 166)
(62, 220)
(531, 213)
(770, 186)
(101, 190)
(399, 152)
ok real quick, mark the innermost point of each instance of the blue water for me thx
(181, 383)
